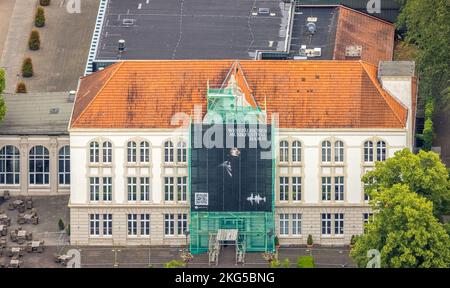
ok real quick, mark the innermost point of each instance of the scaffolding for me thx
(228, 103)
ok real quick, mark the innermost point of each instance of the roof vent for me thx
(264, 11)
(311, 28)
(54, 110)
(72, 95)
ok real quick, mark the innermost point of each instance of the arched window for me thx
(145, 152)
(131, 152)
(368, 151)
(296, 151)
(338, 151)
(107, 152)
(9, 165)
(381, 151)
(326, 151)
(168, 151)
(94, 152)
(64, 165)
(284, 151)
(39, 165)
(181, 151)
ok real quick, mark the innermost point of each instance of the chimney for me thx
(398, 78)
(353, 52)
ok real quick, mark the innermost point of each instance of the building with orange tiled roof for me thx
(141, 179)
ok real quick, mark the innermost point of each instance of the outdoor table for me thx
(35, 244)
(21, 233)
(28, 216)
(17, 202)
(14, 263)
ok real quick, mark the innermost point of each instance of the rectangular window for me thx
(107, 224)
(284, 188)
(94, 188)
(145, 224)
(169, 225)
(284, 224)
(339, 224)
(182, 223)
(326, 223)
(94, 224)
(132, 224)
(145, 188)
(107, 188)
(132, 189)
(296, 188)
(168, 189)
(296, 224)
(182, 188)
(367, 217)
(326, 188)
(339, 188)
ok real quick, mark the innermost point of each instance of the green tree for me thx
(427, 26)
(27, 68)
(405, 232)
(39, 18)
(34, 43)
(2, 88)
(423, 173)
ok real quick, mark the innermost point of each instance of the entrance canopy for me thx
(227, 234)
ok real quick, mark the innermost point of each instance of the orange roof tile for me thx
(305, 94)
(374, 35)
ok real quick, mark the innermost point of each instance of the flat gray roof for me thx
(36, 114)
(324, 37)
(396, 68)
(194, 29)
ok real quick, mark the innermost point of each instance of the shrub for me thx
(429, 108)
(21, 88)
(286, 263)
(174, 264)
(275, 263)
(353, 240)
(305, 262)
(68, 230)
(61, 225)
(35, 40)
(27, 68)
(428, 135)
(44, 2)
(309, 241)
(277, 241)
(39, 18)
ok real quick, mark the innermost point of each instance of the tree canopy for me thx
(423, 173)
(404, 231)
(427, 26)
(2, 101)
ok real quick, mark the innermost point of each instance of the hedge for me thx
(305, 262)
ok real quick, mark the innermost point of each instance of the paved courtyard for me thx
(65, 42)
(6, 7)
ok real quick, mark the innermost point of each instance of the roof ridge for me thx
(118, 65)
(383, 92)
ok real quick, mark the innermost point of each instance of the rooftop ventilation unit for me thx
(311, 28)
(71, 95)
(128, 22)
(310, 52)
(54, 110)
(264, 11)
(121, 45)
